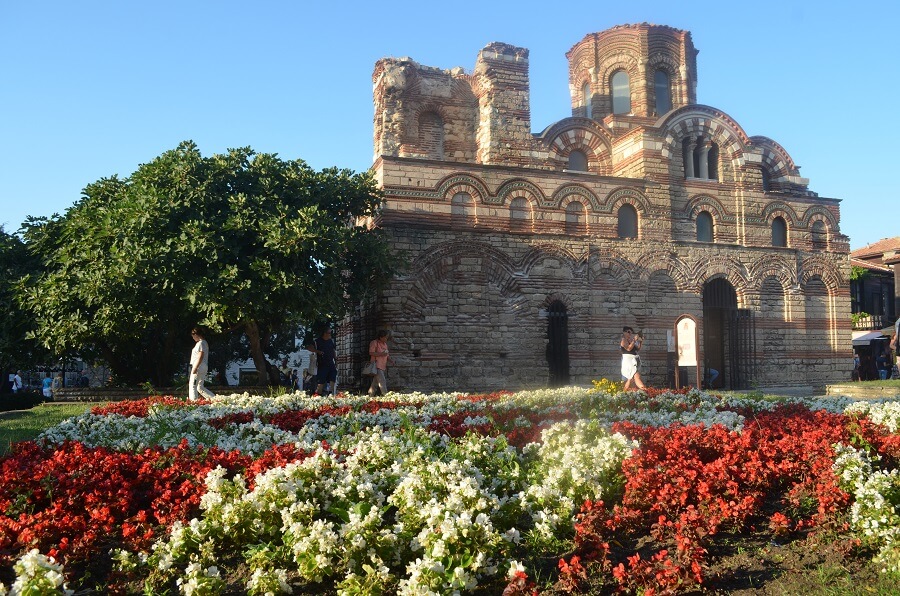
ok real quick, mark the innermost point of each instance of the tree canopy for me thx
(238, 241)
(17, 350)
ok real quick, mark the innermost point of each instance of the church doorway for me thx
(558, 343)
(729, 337)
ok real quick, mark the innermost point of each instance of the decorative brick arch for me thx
(653, 262)
(664, 61)
(619, 196)
(818, 213)
(775, 159)
(773, 266)
(518, 187)
(710, 123)
(456, 183)
(779, 209)
(412, 128)
(669, 64)
(538, 253)
(707, 203)
(623, 59)
(615, 266)
(824, 269)
(549, 134)
(725, 267)
(567, 193)
(579, 137)
(557, 297)
(435, 266)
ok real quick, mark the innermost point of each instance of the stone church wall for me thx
(499, 224)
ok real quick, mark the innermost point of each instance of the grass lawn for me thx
(24, 425)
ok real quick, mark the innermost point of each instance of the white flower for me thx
(514, 568)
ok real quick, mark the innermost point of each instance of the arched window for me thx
(431, 135)
(586, 99)
(819, 235)
(663, 92)
(621, 93)
(576, 219)
(704, 227)
(628, 222)
(766, 180)
(779, 232)
(701, 158)
(519, 215)
(578, 161)
(462, 210)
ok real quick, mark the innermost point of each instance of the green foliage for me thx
(240, 242)
(16, 264)
(858, 273)
(857, 316)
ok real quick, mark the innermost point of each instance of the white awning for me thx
(866, 338)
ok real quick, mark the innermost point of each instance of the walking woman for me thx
(378, 352)
(199, 367)
(630, 346)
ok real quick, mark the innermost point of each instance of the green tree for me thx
(16, 349)
(239, 242)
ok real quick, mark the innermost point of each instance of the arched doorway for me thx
(729, 336)
(558, 343)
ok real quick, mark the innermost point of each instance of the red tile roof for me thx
(876, 249)
(872, 265)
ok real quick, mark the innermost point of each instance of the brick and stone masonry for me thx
(502, 226)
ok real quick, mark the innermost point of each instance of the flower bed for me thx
(573, 489)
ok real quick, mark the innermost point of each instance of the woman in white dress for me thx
(630, 345)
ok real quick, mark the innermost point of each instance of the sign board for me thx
(686, 330)
(687, 343)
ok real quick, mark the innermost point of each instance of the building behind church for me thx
(528, 252)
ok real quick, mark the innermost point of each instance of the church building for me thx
(529, 251)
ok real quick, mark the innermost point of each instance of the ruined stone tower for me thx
(529, 251)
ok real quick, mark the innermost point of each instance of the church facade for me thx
(528, 252)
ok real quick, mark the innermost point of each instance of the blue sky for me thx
(95, 88)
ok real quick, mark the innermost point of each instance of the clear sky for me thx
(94, 88)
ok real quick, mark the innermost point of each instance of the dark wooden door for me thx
(558, 344)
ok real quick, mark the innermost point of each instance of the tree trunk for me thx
(251, 329)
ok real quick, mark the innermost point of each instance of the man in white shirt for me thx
(17, 384)
(199, 367)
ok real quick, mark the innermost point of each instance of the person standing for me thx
(379, 354)
(326, 362)
(199, 367)
(895, 345)
(47, 386)
(284, 373)
(17, 384)
(630, 345)
(881, 363)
